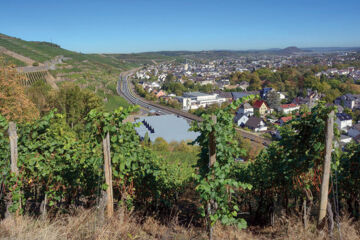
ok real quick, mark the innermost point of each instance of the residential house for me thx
(264, 92)
(244, 85)
(349, 100)
(159, 93)
(311, 99)
(246, 109)
(281, 96)
(354, 131)
(226, 95)
(261, 107)
(223, 83)
(344, 139)
(241, 119)
(284, 120)
(256, 124)
(289, 108)
(343, 121)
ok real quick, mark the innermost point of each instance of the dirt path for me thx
(24, 59)
(51, 81)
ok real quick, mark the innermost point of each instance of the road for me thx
(124, 88)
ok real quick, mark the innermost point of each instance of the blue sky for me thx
(125, 26)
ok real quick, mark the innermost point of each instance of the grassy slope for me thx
(8, 60)
(94, 71)
(97, 72)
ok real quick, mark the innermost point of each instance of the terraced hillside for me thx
(97, 72)
(8, 60)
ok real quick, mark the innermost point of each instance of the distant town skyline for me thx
(159, 25)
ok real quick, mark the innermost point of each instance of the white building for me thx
(194, 100)
(246, 109)
(343, 121)
(289, 108)
(241, 119)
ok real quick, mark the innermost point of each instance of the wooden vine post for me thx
(212, 160)
(13, 138)
(326, 169)
(108, 177)
(13, 147)
(212, 144)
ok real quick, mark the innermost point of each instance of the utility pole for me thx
(108, 176)
(326, 169)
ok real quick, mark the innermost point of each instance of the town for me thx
(199, 85)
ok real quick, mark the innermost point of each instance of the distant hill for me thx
(293, 50)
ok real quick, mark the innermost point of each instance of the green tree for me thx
(273, 99)
(255, 82)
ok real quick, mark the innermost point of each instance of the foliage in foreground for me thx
(68, 168)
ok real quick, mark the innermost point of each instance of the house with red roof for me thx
(284, 120)
(261, 107)
(289, 108)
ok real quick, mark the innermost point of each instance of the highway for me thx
(124, 88)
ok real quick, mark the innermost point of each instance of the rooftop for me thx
(195, 94)
(343, 116)
(291, 105)
(169, 127)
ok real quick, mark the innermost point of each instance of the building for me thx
(284, 120)
(241, 119)
(354, 131)
(264, 92)
(237, 95)
(223, 83)
(169, 127)
(226, 95)
(256, 124)
(343, 121)
(311, 99)
(289, 108)
(246, 109)
(261, 107)
(159, 93)
(244, 85)
(194, 100)
(349, 100)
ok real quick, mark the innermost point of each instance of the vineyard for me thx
(30, 78)
(58, 170)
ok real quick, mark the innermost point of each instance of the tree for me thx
(75, 103)
(14, 104)
(273, 99)
(39, 94)
(160, 145)
(255, 82)
(146, 139)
